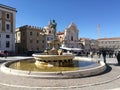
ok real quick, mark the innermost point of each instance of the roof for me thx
(8, 7)
(114, 38)
(60, 33)
(84, 38)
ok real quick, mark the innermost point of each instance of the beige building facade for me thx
(29, 38)
(48, 33)
(110, 43)
(89, 44)
(7, 28)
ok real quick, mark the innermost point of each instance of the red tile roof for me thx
(114, 38)
(60, 33)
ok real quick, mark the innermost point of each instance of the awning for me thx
(73, 49)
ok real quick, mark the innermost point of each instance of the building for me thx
(49, 35)
(69, 37)
(7, 28)
(29, 38)
(89, 44)
(85, 43)
(110, 43)
(94, 44)
(60, 36)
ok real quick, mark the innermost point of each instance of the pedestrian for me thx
(104, 55)
(99, 54)
(91, 54)
(118, 57)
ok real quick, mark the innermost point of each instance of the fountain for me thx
(65, 65)
(53, 57)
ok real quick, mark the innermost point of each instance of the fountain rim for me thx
(44, 55)
(60, 75)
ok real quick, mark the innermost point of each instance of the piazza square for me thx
(48, 57)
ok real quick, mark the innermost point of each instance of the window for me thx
(30, 33)
(7, 36)
(7, 44)
(7, 15)
(7, 26)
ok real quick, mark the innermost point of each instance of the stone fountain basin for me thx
(53, 57)
(63, 74)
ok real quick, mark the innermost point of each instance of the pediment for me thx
(72, 28)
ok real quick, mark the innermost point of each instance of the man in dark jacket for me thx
(104, 55)
(118, 57)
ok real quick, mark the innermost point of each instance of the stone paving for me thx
(109, 80)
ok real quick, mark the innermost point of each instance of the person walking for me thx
(104, 55)
(91, 54)
(118, 57)
(99, 54)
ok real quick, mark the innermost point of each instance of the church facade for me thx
(69, 37)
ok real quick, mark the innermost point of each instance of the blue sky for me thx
(86, 14)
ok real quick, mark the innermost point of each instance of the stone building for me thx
(60, 36)
(110, 43)
(89, 44)
(69, 37)
(29, 38)
(7, 28)
(48, 33)
(85, 42)
(94, 44)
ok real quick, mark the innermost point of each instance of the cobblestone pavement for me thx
(109, 80)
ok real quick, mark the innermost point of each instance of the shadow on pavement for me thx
(114, 64)
(108, 69)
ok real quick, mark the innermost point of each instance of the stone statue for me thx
(53, 26)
